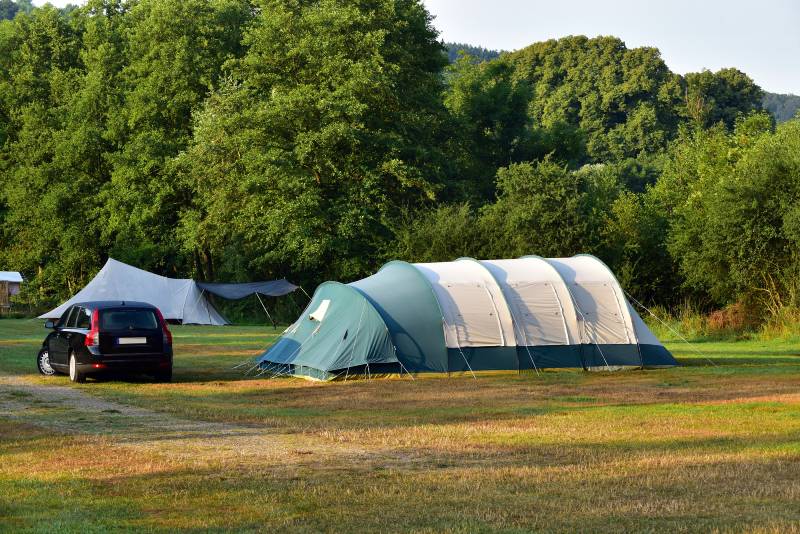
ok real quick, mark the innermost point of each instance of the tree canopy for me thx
(240, 140)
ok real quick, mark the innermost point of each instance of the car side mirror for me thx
(49, 324)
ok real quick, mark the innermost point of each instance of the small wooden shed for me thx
(10, 282)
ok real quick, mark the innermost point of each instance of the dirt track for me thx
(68, 410)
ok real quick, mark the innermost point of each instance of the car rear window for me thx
(84, 319)
(128, 320)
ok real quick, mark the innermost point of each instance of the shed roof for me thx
(10, 276)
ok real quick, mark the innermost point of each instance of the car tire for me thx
(43, 363)
(164, 376)
(75, 375)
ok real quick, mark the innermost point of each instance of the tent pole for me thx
(403, 367)
(444, 327)
(527, 344)
(265, 311)
(586, 327)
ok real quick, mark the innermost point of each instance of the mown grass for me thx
(702, 447)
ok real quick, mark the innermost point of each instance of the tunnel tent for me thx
(181, 300)
(468, 316)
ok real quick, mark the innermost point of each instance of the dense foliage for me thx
(239, 139)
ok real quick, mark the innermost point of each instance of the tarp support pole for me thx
(304, 292)
(265, 311)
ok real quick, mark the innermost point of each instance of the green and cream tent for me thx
(468, 316)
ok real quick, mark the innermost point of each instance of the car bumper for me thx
(131, 364)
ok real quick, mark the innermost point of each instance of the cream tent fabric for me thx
(533, 301)
(539, 301)
(474, 308)
(178, 299)
(599, 302)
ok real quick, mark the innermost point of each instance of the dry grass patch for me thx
(699, 448)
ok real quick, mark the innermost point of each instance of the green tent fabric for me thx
(408, 307)
(468, 316)
(339, 330)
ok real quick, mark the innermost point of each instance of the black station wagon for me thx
(106, 336)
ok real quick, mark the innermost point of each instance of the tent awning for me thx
(274, 288)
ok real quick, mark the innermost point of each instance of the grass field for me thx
(697, 448)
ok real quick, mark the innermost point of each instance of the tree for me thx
(175, 52)
(721, 96)
(636, 232)
(623, 100)
(545, 209)
(8, 9)
(782, 107)
(489, 110)
(476, 54)
(731, 199)
(40, 190)
(444, 233)
(334, 118)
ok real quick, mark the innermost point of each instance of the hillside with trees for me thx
(317, 140)
(782, 107)
(10, 8)
(478, 53)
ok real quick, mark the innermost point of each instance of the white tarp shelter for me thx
(179, 299)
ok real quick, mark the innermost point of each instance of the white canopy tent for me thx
(179, 299)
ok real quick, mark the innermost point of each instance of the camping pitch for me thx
(182, 300)
(467, 316)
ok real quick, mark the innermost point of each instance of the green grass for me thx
(701, 447)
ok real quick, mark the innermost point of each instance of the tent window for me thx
(319, 313)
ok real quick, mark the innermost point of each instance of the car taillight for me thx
(167, 333)
(93, 336)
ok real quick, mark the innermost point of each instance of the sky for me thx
(760, 38)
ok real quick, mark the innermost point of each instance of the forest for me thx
(239, 140)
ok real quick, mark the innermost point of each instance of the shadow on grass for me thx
(700, 484)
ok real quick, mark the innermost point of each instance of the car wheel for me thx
(74, 374)
(43, 363)
(164, 376)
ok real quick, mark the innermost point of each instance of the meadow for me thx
(702, 447)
